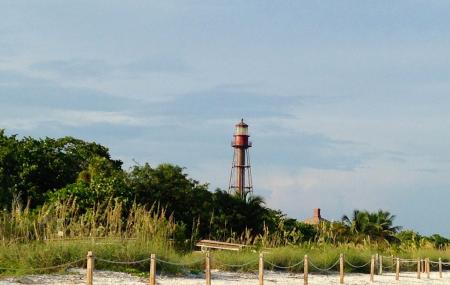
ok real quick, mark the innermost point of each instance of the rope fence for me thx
(323, 269)
(37, 269)
(422, 266)
(357, 266)
(122, 262)
(284, 267)
(242, 265)
(182, 264)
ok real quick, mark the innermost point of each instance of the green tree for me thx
(29, 168)
(439, 242)
(100, 182)
(409, 239)
(168, 186)
(382, 226)
(9, 168)
(376, 226)
(234, 215)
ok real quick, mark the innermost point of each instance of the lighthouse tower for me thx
(241, 175)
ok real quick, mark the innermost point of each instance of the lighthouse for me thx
(241, 175)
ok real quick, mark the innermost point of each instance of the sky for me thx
(347, 101)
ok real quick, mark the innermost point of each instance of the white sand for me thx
(77, 276)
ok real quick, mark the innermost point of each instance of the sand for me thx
(77, 276)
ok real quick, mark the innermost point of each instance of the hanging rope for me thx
(388, 257)
(284, 267)
(356, 266)
(179, 264)
(239, 265)
(44, 268)
(323, 269)
(408, 260)
(122, 262)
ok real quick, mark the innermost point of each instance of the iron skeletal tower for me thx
(241, 175)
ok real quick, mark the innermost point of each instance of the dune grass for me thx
(320, 256)
(21, 257)
(59, 233)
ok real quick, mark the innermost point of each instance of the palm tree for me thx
(359, 224)
(377, 226)
(383, 226)
(255, 201)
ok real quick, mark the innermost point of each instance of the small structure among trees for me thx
(315, 219)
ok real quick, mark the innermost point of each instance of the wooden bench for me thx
(206, 244)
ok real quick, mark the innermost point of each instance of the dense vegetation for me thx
(37, 173)
(66, 189)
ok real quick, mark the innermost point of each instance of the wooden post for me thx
(305, 270)
(261, 269)
(440, 267)
(422, 266)
(428, 267)
(418, 268)
(152, 269)
(341, 269)
(381, 265)
(372, 268)
(90, 268)
(397, 269)
(377, 258)
(207, 269)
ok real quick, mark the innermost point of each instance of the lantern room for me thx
(241, 135)
(241, 129)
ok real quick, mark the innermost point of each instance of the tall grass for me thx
(20, 258)
(60, 232)
(63, 219)
(322, 256)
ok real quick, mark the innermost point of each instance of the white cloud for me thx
(380, 184)
(76, 118)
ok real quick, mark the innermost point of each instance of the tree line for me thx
(35, 172)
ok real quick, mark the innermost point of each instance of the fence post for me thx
(207, 269)
(372, 268)
(261, 269)
(381, 265)
(377, 258)
(305, 270)
(152, 269)
(90, 268)
(428, 268)
(418, 268)
(440, 267)
(341, 268)
(397, 269)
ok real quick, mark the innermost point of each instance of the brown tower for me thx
(241, 175)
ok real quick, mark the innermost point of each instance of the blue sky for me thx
(347, 101)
